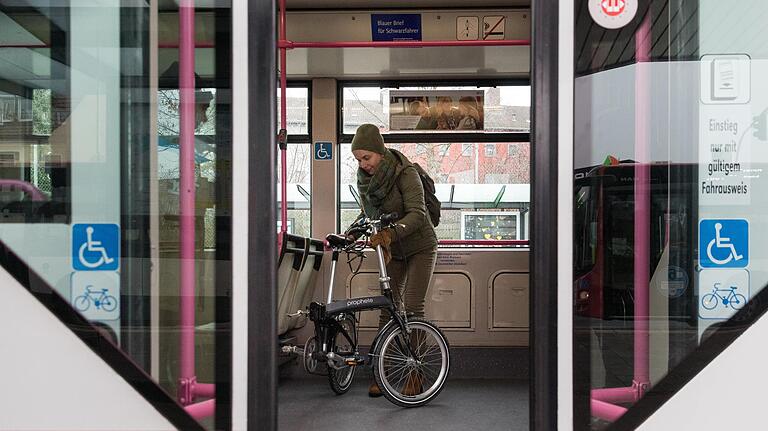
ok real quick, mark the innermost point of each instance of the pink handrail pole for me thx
(171, 45)
(187, 187)
(509, 242)
(403, 44)
(161, 45)
(201, 410)
(642, 197)
(606, 411)
(614, 395)
(204, 390)
(284, 125)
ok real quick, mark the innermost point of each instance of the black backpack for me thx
(430, 200)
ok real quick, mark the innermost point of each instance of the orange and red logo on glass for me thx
(613, 7)
(612, 14)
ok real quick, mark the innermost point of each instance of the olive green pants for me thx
(409, 280)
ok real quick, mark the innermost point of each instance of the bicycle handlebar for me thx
(388, 219)
(364, 224)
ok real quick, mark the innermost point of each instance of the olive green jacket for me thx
(414, 231)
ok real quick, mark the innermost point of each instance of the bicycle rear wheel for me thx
(412, 380)
(341, 379)
(709, 301)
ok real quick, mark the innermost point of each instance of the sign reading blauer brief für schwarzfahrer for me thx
(394, 27)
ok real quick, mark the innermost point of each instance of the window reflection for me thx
(34, 119)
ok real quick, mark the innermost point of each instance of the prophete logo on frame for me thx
(612, 14)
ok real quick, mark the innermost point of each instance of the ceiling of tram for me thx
(24, 27)
(410, 4)
(367, 4)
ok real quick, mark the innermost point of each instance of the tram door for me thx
(669, 126)
(463, 113)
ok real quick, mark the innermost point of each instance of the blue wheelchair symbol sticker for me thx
(723, 243)
(95, 247)
(323, 150)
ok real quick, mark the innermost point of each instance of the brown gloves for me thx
(384, 239)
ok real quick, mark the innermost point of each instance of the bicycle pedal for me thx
(355, 360)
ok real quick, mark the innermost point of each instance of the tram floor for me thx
(464, 404)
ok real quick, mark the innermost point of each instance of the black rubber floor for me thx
(464, 404)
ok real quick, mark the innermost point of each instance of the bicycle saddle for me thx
(335, 240)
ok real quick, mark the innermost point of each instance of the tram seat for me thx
(292, 257)
(307, 278)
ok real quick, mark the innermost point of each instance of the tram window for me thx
(299, 161)
(35, 137)
(168, 163)
(506, 109)
(297, 109)
(299, 188)
(585, 230)
(487, 192)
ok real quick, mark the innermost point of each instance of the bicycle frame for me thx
(731, 292)
(353, 305)
(341, 356)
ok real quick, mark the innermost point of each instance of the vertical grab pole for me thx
(187, 198)
(284, 126)
(642, 206)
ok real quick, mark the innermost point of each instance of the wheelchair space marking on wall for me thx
(323, 150)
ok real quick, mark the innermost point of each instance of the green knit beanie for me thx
(368, 138)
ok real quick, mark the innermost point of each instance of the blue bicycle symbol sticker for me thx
(101, 299)
(727, 297)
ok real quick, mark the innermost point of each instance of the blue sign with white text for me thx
(95, 247)
(723, 243)
(394, 27)
(323, 150)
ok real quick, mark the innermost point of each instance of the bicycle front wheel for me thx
(109, 303)
(411, 369)
(737, 301)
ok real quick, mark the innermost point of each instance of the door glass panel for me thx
(669, 132)
(91, 182)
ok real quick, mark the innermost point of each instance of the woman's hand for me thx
(384, 239)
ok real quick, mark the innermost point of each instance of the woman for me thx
(388, 182)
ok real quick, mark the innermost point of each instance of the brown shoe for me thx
(413, 384)
(374, 390)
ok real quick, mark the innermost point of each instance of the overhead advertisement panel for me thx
(436, 110)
